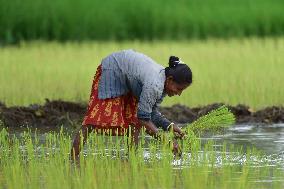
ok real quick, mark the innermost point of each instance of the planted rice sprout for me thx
(29, 163)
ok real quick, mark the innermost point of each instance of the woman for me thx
(126, 91)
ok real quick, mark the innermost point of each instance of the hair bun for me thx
(173, 61)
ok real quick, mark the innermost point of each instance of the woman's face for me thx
(172, 88)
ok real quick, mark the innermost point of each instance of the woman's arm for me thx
(151, 129)
(148, 114)
(160, 121)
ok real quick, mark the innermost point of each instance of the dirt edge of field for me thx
(57, 112)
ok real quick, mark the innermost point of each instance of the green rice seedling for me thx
(215, 120)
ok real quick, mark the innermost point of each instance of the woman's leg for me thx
(76, 147)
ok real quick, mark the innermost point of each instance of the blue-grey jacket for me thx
(131, 71)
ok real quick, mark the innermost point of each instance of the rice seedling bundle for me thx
(215, 120)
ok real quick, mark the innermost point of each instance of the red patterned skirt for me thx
(112, 115)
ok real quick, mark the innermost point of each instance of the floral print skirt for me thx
(111, 115)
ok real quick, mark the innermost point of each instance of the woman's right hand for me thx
(178, 133)
(176, 149)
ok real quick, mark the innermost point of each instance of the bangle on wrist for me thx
(170, 126)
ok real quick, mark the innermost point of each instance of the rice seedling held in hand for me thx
(215, 120)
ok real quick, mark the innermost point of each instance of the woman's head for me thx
(178, 77)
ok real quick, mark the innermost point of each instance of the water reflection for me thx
(267, 138)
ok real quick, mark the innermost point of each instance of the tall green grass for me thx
(232, 71)
(138, 19)
(28, 163)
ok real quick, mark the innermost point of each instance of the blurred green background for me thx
(138, 19)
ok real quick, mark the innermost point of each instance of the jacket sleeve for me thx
(158, 119)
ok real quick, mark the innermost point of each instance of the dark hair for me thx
(180, 72)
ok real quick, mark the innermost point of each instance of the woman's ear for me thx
(170, 78)
(169, 82)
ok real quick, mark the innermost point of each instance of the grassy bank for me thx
(232, 71)
(140, 19)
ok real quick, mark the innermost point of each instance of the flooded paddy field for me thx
(249, 157)
(250, 154)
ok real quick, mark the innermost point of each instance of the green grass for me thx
(29, 163)
(140, 19)
(245, 71)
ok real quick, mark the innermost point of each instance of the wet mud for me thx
(56, 113)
